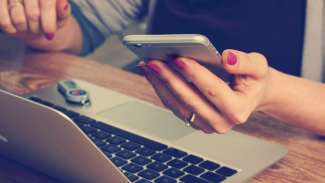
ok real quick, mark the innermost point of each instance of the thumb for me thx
(241, 63)
(63, 9)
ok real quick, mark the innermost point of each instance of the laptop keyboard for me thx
(143, 160)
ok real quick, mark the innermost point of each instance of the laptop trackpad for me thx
(147, 120)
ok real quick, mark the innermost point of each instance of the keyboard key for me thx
(194, 170)
(192, 179)
(130, 136)
(175, 152)
(132, 168)
(110, 148)
(84, 120)
(157, 166)
(131, 176)
(226, 171)
(172, 172)
(41, 101)
(165, 179)
(177, 164)
(71, 114)
(59, 108)
(131, 146)
(116, 140)
(161, 157)
(209, 165)
(145, 151)
(125, 154)
(193, 159)
(108, 154)
(143, 181)
(212, 177)
(101, 134)
(88, 129)
(140, 160)
(118, 161)
(97, 141)
(149, 174)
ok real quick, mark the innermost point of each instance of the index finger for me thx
(63, 9)
(5, 21)
(215, 89)
(48, 17)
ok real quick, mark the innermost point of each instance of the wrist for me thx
(272, 92)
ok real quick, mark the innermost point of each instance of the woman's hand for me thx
(218, 106)
(33, 18)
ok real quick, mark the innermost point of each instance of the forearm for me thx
(68, 38)
(296, 101)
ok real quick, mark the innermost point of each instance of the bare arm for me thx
(297, 101)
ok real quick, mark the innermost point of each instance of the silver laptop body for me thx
(47, 140)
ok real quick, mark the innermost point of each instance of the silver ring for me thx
(191, 120)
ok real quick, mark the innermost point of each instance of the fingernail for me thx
(49, 36)
(66, 7)
(232, 59)
(141, 67)
(180, 64)
(154, 68)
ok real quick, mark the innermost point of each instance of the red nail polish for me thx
(232, 59)
(49, 36)
(66, 7)
(155, 68)
(180, 64)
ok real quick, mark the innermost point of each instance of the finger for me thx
(173, 103)
(192, 100)
(5, 20)
(63, 9)
(212, 87)
(48, 18)
(17, 14)
(237, 62)
(33, 15)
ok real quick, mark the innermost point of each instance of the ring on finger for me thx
(191, 120)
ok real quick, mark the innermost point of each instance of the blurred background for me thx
(111, 52)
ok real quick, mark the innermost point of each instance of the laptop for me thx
(121, 139)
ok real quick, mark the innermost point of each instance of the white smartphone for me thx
(168, 46)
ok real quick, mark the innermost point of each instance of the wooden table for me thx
(305, 161)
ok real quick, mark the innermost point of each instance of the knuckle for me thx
(211, 92)
(259, 57)
(256, 54)
(240, 118)
(34, 15)
(261, 60)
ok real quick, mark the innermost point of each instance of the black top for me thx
(274, 28)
